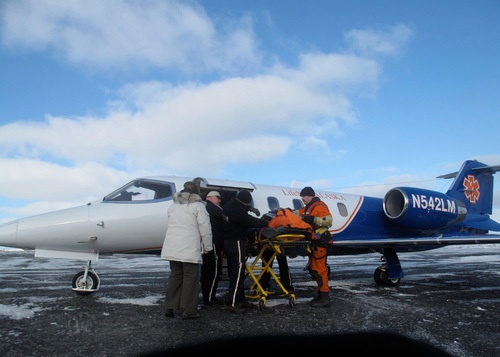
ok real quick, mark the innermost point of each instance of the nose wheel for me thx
(86, 282)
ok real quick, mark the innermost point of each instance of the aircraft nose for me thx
(8, 234)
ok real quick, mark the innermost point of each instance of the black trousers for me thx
(236, 257)
(209, 277)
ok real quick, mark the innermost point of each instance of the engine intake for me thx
(422, 209)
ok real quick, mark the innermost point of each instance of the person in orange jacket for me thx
(316, 213)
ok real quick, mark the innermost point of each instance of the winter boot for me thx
(322, 300)
(318, 294)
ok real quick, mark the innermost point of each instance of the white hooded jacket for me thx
(189, 232)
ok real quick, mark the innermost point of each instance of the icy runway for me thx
(449, 298)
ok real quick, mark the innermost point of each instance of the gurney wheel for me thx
(262, 303)
(291, 300)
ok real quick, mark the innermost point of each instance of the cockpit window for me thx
(141, 190)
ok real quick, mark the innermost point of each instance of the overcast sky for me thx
(351, 96)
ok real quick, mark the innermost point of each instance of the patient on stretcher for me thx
(284, 226)
(284, 221)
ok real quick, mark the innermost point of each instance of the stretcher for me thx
(280, 241)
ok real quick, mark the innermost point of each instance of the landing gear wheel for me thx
(91, 284)
(262, 303)
(381, 277)
(291, 300)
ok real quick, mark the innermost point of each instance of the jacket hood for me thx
(186, 197)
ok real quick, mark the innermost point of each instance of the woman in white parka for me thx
(189, 235)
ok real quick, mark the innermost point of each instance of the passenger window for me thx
(273, 203)
(342, 209)
(297, 204)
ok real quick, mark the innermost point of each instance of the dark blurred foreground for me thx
(348, 344)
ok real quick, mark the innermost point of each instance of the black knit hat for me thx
(307, 191)
(244, 196)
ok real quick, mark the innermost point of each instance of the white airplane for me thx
(133, 219)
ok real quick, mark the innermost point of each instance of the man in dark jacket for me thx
(210, 273)
(236, 231)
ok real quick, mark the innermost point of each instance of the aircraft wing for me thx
(409, 242)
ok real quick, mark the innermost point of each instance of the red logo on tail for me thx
(471, 186)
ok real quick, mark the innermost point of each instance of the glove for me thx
(308, 219)
(268, 216)
(255, 211)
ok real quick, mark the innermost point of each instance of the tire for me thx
(92, 283)
(381, 278)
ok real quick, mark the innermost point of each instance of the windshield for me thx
(142, 190)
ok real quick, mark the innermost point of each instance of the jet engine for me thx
(421, 209)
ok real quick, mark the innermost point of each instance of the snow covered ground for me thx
(449, 297)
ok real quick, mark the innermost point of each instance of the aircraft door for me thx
(132, 219)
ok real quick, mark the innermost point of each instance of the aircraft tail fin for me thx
(473, 185)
